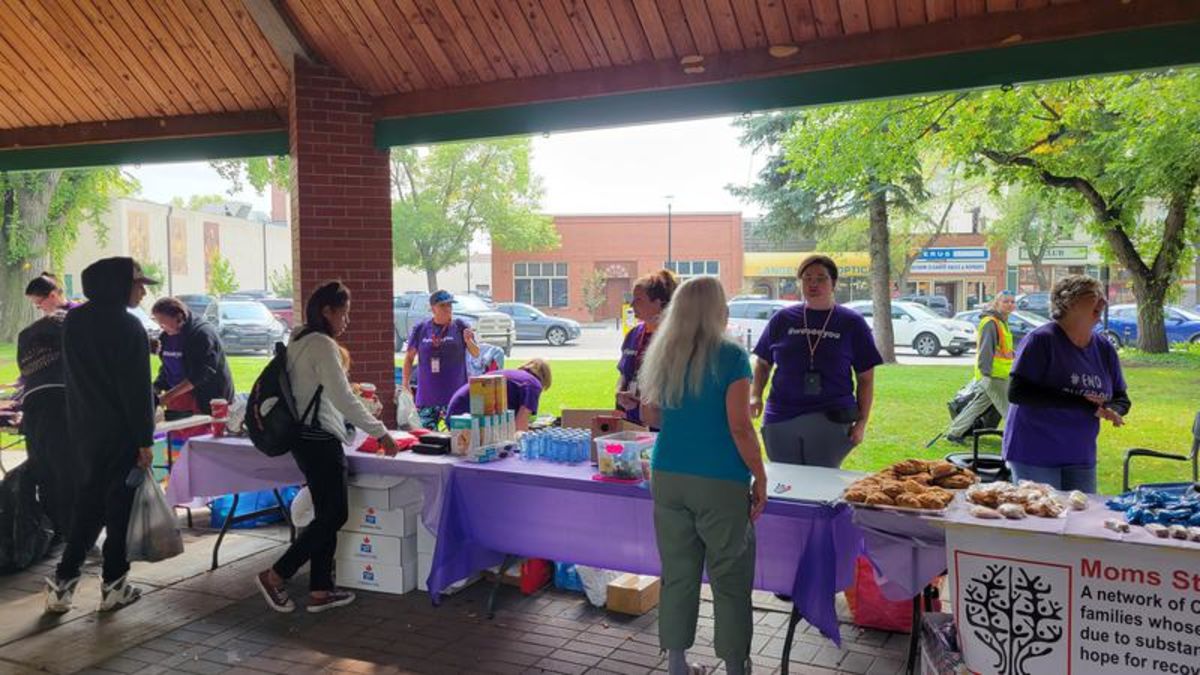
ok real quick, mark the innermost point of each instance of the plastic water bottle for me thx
(581, 452)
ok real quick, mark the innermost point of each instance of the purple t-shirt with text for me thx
(846, 346)
(1060, 436)
(633, 350)
(524, 390)
(172, 358)
(446, 345)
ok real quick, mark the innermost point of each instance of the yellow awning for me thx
(850, 263)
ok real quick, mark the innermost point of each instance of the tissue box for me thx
(371, 576)
(378, 548)
(400, 522)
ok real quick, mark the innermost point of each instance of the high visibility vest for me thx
(1002, 358)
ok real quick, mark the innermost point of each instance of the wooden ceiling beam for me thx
(278, 31)
(142, 129)
(1055, 22)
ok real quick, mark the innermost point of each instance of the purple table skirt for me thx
(557, 512)
(209, 467)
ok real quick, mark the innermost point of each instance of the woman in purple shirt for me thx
(525, 386)
(439, 345)
(1065, 380)
(824, 358)
(651, 295)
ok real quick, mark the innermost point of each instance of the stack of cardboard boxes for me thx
(377, 548)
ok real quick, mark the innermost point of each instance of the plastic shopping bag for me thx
(303, 512)
(152, 533)
(406, 410)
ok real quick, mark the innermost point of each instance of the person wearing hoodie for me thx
(194, 370)
(110, 415)
(993, 361)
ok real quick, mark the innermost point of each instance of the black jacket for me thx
(204, 364)
(39, 352)
(106, 358)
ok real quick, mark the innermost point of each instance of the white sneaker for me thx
(118, 594)
(60, 594)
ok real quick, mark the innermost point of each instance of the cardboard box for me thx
(464, 434)
(371, 576)
(581, 418)
(426, 540)
(378, 548)
(489, 395)
(633, 594)
(401, 522)
(383, 492)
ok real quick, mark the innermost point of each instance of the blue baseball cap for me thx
(439, 297)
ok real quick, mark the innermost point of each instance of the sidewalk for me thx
(194, 621)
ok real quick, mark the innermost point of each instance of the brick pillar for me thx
(341, 215)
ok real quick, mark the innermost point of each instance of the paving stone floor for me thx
(191, 620)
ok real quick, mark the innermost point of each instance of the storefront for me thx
(961, 267)
(773, 274)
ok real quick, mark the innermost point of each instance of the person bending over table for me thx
(525, 386)
(1065, 380)
(696, 389)
(651, 296)
(315, 365)
(193, 368)
(819, 351)
(441, 342)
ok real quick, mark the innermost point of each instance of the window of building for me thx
(687, 269)
(541, 284)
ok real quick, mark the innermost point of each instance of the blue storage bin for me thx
(248, 502)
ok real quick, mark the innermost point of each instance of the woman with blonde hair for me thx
(695, 387)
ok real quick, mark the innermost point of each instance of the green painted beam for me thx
(1095, 55)
(146, 151)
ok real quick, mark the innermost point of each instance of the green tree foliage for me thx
(223, 279)
(259, 172)
(40, 216)
(197, 202)
(1123, 148)
(1035, 219)
(281, 282)
(156, 271)
(594, 292)
(444, 195)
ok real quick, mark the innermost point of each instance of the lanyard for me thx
(437, 338)
(812, 346)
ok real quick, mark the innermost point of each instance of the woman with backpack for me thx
(314, 365)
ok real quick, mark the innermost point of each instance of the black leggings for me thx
(323, 463)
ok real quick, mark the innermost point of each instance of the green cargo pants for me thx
(698, 522)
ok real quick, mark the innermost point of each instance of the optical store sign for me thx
(1032, 604)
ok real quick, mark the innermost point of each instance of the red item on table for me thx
(420, 432)
(404, 441)
(220, 412)
(871, 609)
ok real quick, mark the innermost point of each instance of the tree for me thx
(197, 202)
(281, 282)
(594, 295)
(259, 172)
(223, 279)
(1035, 219)
(156, 271)
(40, 216)
(444, 195)
(1122, 147)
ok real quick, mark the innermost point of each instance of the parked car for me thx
(197, 302)
(915, 325)
(1020, 323)
(753, 296)
(245, 325)
(940, 304)
(152, 328)
(1182, 325)
(281, 308)
(748, 318)
(490, 326)
(251, 294)
(534, 324)
(1035, 303)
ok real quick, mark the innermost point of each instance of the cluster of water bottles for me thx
(563, 446)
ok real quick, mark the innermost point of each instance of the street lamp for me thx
(670, 259)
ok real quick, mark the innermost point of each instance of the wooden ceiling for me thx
(90, 71)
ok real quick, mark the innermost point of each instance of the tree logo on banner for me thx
(1018, 616)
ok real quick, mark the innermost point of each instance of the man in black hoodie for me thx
(110, 412)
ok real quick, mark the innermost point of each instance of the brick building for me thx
(964, 267)
(621, 248)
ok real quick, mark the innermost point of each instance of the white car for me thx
(915, 325)
(748, 318)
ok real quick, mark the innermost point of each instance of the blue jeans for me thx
(1071, 477)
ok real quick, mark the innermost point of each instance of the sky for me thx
(620, 170)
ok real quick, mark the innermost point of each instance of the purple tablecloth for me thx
(209, 467)
(907, 551)
(542, 510)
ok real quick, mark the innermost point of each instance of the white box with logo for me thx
(399, 522)
(372, 576)
(377, 548)
(426, 540)
(383, 492)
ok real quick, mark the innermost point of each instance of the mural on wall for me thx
(212, 249)
(138, 233)
(178, 246)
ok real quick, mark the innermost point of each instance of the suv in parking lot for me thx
(748, 318)
(491, 326)
(940, 304)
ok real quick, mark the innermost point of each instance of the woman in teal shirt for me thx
(695, 387)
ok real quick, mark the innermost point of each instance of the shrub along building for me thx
(610, 252)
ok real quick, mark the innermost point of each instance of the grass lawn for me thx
(910, 407)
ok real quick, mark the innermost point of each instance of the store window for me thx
(541, 284)
(686, 269)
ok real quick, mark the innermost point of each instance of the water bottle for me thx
(535, 442)
(581, 448)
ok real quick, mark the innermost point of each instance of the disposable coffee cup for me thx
(368, 390)
(220, 411)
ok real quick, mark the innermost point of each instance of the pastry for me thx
(892, 488)
(924, 478)
(856, 495)
(913, 486)
(984, 512)
(880, 499)
(909, 467)
(956, 481)
(942, 468)
(909, 501)
(1011, 511)
(930, 501)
